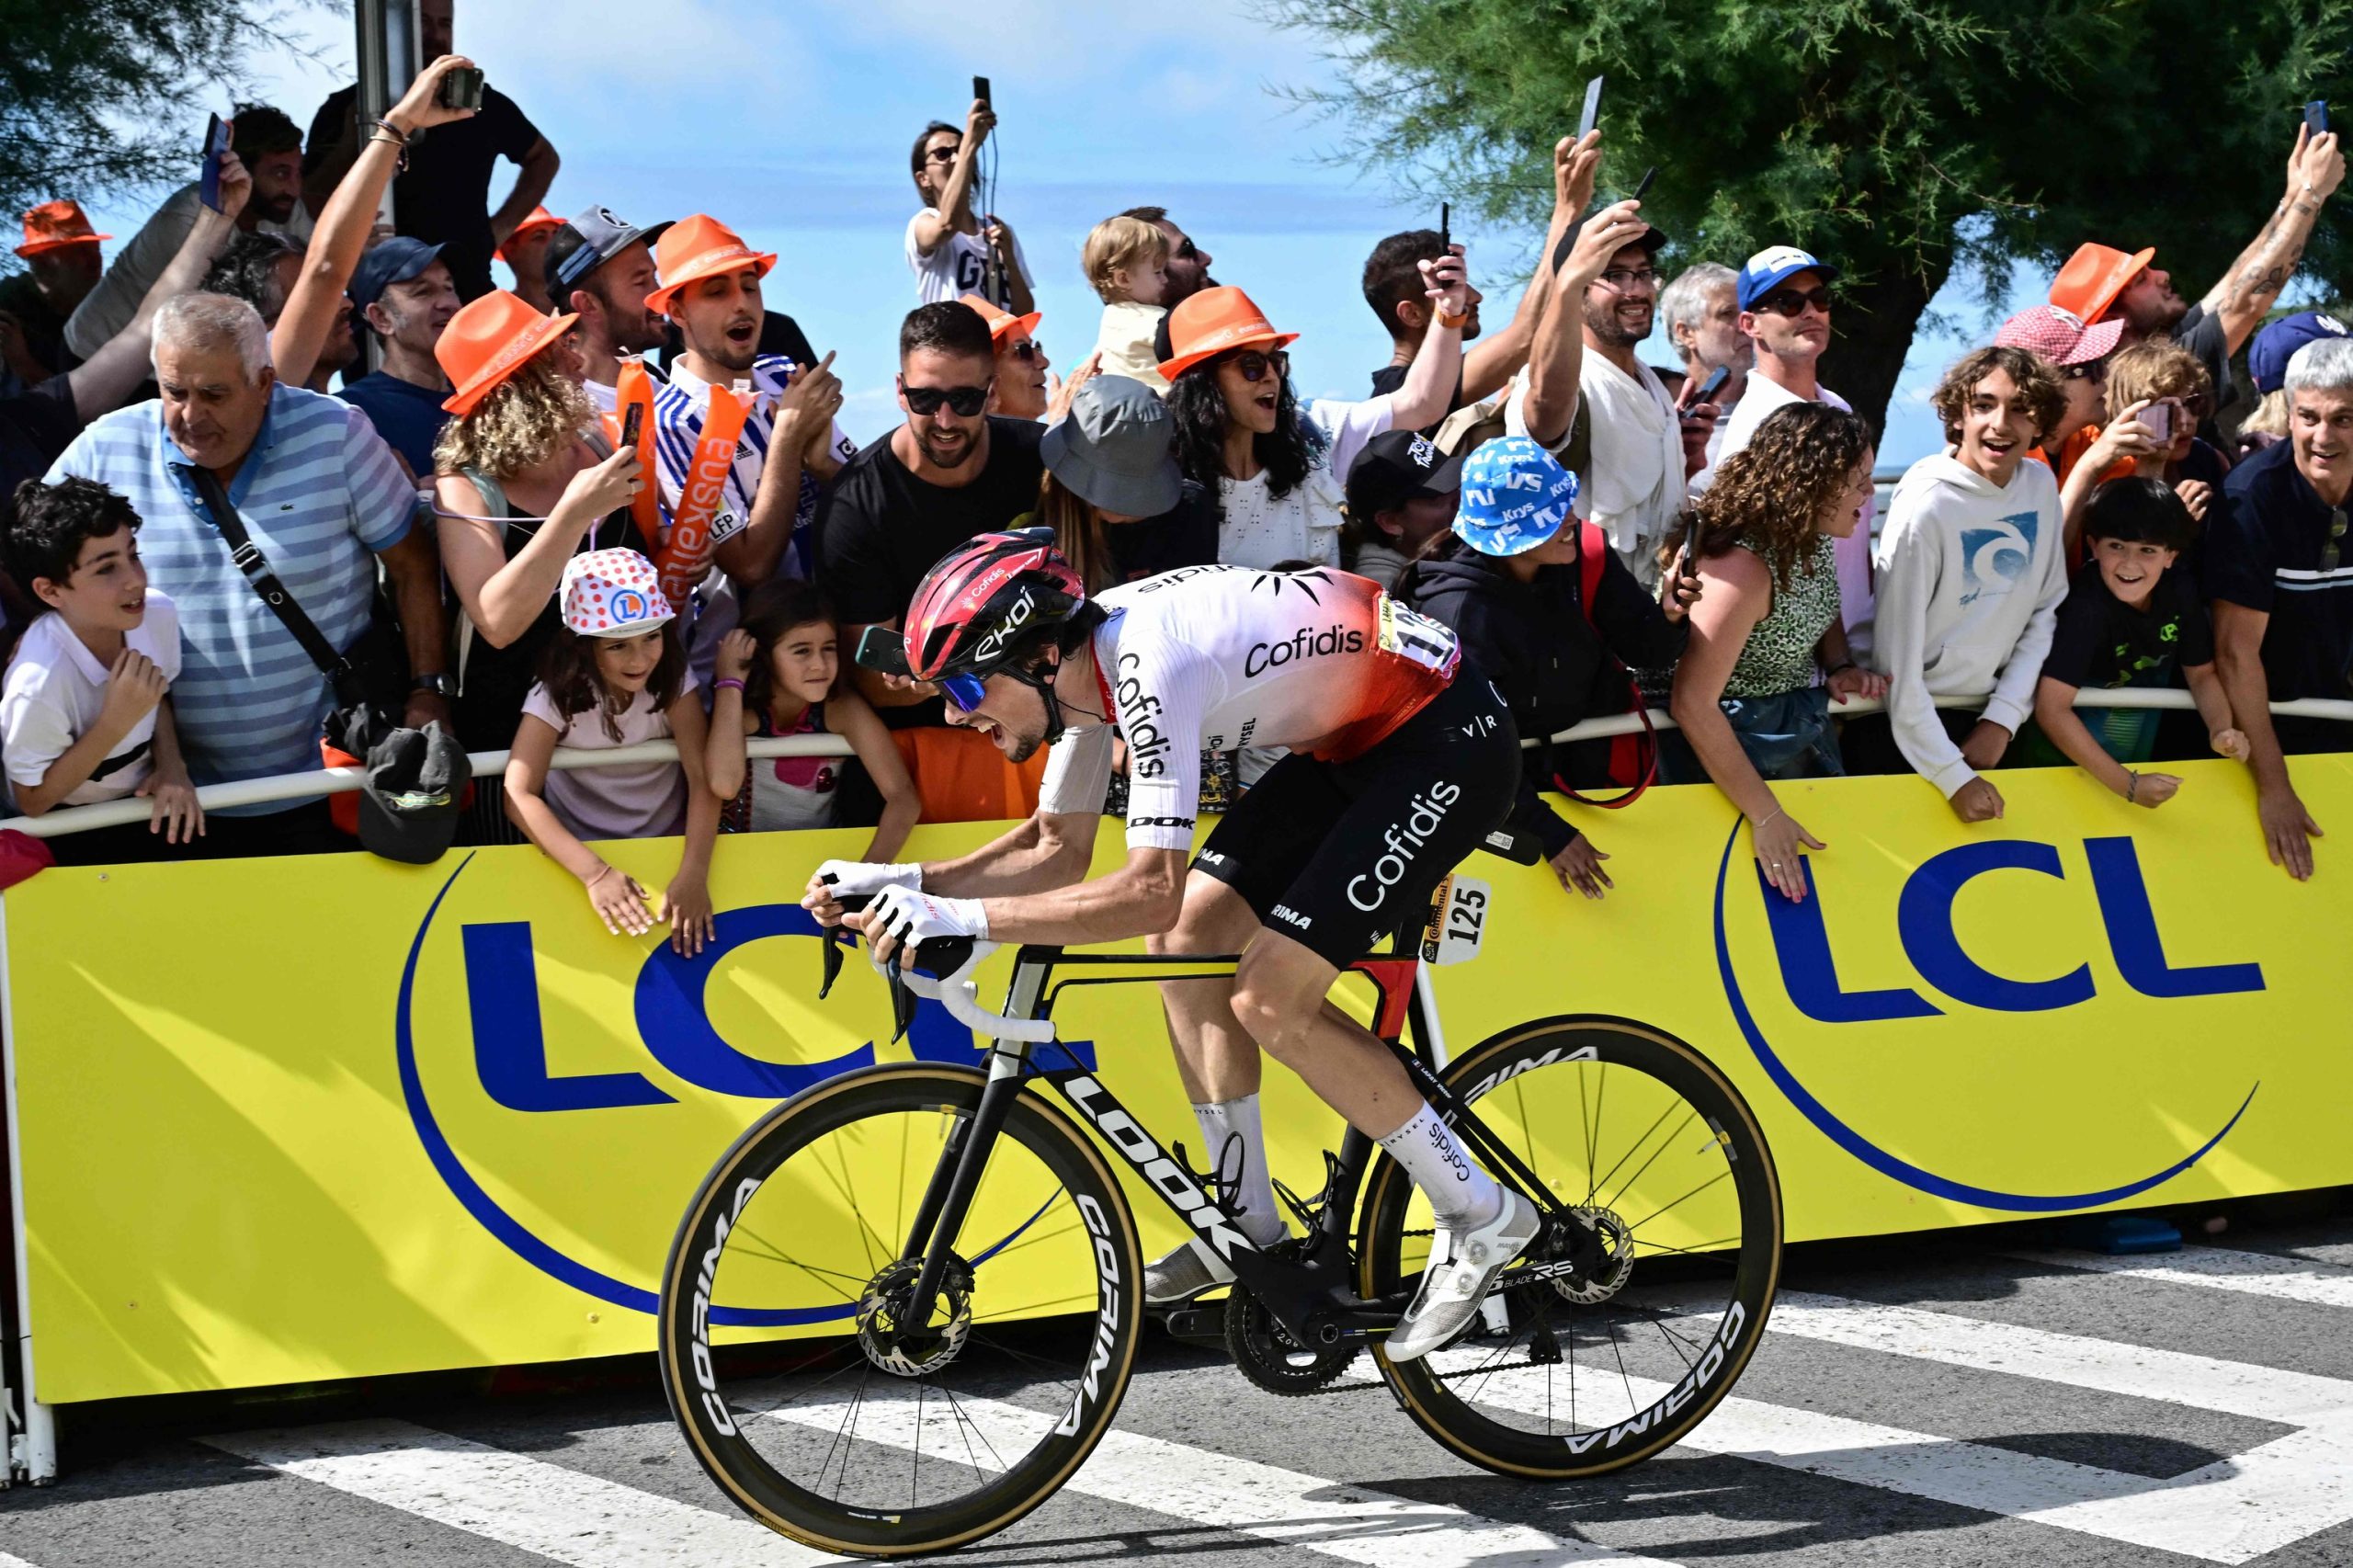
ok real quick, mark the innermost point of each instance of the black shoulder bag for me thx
(370, 682)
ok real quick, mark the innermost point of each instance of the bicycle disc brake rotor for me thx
(1618, 1241)
(908, 1349)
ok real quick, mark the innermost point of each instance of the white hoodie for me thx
(1970, 579)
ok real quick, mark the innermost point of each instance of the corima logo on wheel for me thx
(2094, 1015)
(571, 1106)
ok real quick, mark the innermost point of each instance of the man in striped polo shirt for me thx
(322, 499)
(710, 288)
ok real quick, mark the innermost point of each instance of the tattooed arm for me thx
(2247, 291)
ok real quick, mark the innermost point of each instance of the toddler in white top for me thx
(1127, 263)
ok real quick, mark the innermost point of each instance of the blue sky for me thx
(1103, 105)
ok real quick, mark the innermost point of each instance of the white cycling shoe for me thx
(1191, 1270)
(1452, 1290)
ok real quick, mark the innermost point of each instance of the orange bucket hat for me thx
(488, 341)
(541, 218)
(55, 225)
(2094, 276)
(1212, 321)
(1001, 321)
(699, 247)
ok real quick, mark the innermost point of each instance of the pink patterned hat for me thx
(613, 593)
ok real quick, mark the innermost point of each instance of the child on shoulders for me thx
(1127, 262)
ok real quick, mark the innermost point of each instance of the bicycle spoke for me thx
(1633, 1148)
(1722, 1176)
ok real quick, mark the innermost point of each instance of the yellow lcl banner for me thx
(324, 1118)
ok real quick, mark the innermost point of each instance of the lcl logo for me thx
(1923, 927)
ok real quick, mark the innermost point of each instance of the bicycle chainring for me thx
(1270, 1358)
(908, 1350)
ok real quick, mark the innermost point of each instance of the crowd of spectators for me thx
(198, 568)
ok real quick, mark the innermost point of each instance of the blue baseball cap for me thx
(2267, 355)
(1515, 496)
(1768, 268)
(387, 262)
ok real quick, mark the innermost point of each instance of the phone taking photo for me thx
(882, 650)
(2158, 417)
(216, 146)
(1445, 227)
(2316, 117)
(1709, 389)
(461, 89)
(981, 90)
(631, 423)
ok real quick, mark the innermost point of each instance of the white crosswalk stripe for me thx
(514, 1499)
(9, 1561)
(2220, 1268)
(1353, 1524)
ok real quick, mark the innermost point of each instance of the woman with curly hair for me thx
(1274, 467)
(1768, 651)
(524, 482)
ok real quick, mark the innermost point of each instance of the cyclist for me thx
(1401, 760)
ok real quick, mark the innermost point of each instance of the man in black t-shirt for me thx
(442, 194)
(2278, 572)
(950, 472)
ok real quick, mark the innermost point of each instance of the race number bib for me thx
(1411, 635)
(1458, 920)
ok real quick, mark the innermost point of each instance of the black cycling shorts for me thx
(1339, 854)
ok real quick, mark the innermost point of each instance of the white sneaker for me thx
(1452, 1290)
(1191, 1270)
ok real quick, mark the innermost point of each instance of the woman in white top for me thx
(1275, 468)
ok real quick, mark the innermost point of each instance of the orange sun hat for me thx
(2094, 276)
(53, 225)
(1214, 321)
(489, 341)
(541, 218)
(695, 248)
(1001, 321)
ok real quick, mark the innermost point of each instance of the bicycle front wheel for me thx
(1643, 1140)
(793, 1359)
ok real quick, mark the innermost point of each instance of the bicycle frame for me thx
(1308, 1294)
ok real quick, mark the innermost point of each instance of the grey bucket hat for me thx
(1118, 448)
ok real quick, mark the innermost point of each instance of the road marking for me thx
(2221, 1269)
(519, 1501)
(9, 1561)
(2236, 1509)
(1354, 1524)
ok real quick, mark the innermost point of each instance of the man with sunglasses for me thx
(790, 444)
(1189, 265)
(2278, 572)
(952, 470)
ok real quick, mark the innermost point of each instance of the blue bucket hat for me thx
(1515, 496)
(2267, 355)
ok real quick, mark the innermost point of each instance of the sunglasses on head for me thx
(964, 690)
(965, 401)
(1793, 302)
(1253, 365)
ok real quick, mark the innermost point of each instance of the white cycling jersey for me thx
(1213, 658)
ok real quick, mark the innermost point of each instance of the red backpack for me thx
(1633, 759)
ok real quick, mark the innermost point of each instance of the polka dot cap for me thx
(613, 593)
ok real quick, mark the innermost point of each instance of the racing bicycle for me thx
(904, 1305)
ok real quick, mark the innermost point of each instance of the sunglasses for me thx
(1026, 351)
(2096, 372)
(1793, 302)
(943, 154)
(964, 690)
(2328, 553)
(965, 401)
(1253, 365)
(1187, 252)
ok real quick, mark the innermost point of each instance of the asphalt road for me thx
(1982, 1400)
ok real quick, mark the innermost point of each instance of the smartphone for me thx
(1445, 227)
(1711, 387)
(981, 89)
(1690, 567)
(2158, 417)
(2316, 117)
(1643, 185)
(1592, 115)
(461, 89)
(631, 423)
(883, 650)
(216, 142)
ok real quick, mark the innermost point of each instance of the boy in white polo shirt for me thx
(84, 715)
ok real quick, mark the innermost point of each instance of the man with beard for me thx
(2100, 282)
(1189, 264)
(271, 149)
(951, 471)
(262, 269)
(1638, 469)
(407, 296)
(601, 269)
(790, 445)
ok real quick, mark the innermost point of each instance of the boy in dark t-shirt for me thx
(2130, 619)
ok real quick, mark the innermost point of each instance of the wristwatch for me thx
(441, 685)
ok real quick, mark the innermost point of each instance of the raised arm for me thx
(106, 379)
(936, 224)
(1428, 391)
(1557, 353)
(1494, 360)
(2244, 294)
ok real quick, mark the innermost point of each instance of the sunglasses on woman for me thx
(965, 401)
(1253, 365)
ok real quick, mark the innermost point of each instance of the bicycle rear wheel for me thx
(804, 1389)
(1644, 1139)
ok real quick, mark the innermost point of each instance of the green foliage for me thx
(98, 96)
(1898, 139)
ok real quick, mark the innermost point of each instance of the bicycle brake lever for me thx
(836, 938)
(902, 1002)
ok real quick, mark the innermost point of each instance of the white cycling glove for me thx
(852, 878)
(914, 917)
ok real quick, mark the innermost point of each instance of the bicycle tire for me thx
(847, 1113)
(1461, 1406)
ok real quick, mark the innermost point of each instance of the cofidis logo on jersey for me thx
(570, 1091)
(2026, 1042)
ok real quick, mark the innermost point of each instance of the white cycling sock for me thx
(1252, 1193)
(1461, 1195)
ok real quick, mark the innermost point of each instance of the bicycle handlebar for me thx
(939, 969)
